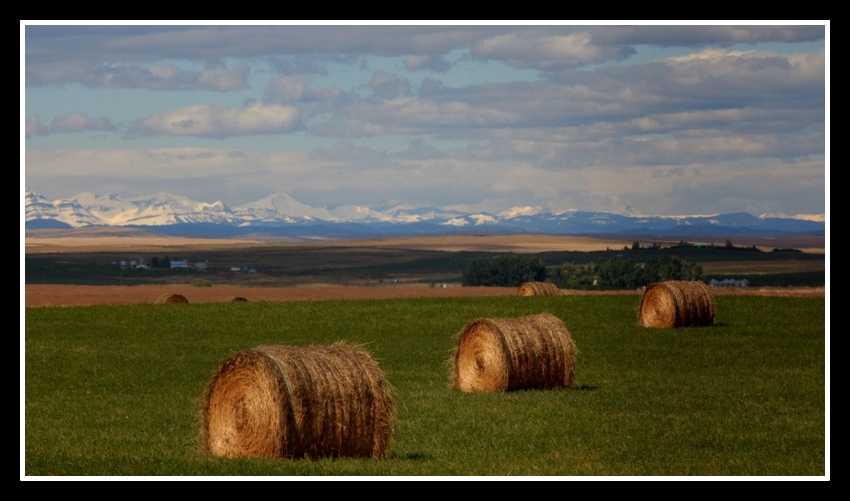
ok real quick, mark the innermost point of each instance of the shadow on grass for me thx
(410, 456)
(585, 387)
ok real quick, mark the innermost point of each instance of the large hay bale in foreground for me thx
(677, 304)
(171, 299)
(284, 401)
(538, 289)
(504, 354)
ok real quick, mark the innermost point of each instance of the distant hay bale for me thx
(289, 402)
(677, 304)
(505, 354)
(538, 289)
(171, 299)
(234, 299)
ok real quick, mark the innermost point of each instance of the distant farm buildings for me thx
(142, 264)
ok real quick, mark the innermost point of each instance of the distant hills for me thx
(280, 214)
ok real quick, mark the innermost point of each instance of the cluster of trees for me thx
(728, 245)
(573, 276)
(161, 263)
(625, 273)
(505, 271)
(510, 271)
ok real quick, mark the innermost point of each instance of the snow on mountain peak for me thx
(456, 221)
(87, 209)
(280, 206)
(482, 218)
(520, 211)
(802, 217)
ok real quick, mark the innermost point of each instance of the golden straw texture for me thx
(677, 304)
(171, 299)
(283, 401)
(538, 289)
(505, 354)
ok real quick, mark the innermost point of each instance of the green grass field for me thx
(117, 390)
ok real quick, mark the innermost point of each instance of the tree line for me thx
(161, 263)
(512, 270)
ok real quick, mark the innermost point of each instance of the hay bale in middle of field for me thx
(291, 402)
(677, 304)
(504, 354)
(538, 289)
(234, 299)
(171, 299)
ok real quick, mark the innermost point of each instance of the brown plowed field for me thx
(82, 295)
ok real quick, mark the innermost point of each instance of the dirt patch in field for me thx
(84, 295)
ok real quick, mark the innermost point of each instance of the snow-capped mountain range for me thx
(280, 213)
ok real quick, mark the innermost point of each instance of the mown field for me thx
(117, 390)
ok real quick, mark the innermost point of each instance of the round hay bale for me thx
(171, 299)
(505, 354)
(284, 401)
(677, 304)
(538, 289)
(235, 299)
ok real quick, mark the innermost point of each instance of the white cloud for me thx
(121, 75)
(288, 89)
(332, 176)
(745, 72)
(80, 121)
(34, 127)
(296, 90)
(541, 52)
(388, 86)
(428, 62)
(73, 122)
(53, 43)
(222, 79)
(407, 115)
(587, 139)
(219, 121)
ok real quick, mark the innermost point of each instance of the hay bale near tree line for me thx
(538, 289)
(505, 354)
(290, 402)
(171, 299)
(677, 304)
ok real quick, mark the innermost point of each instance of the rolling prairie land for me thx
(78, 267)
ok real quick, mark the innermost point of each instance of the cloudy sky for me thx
(666, 119)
